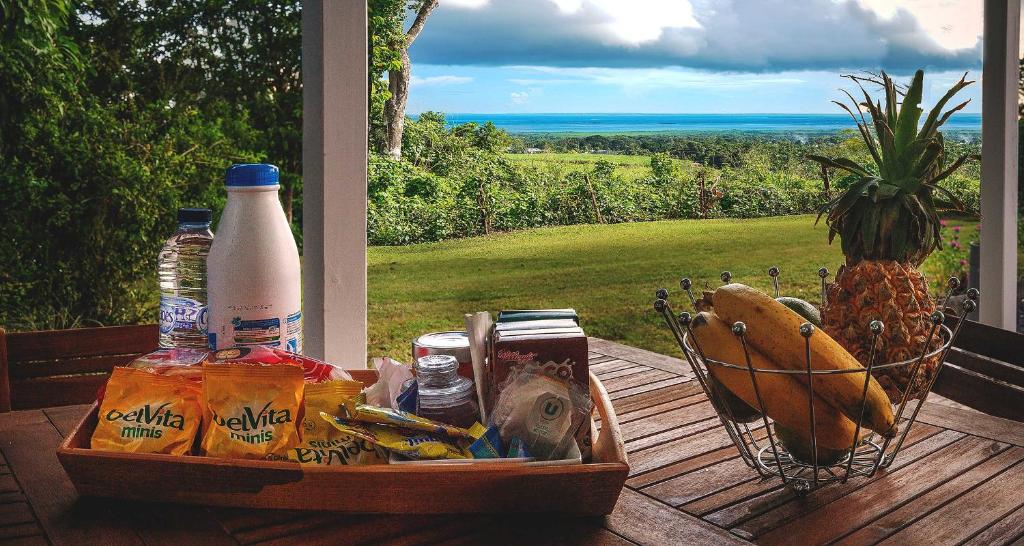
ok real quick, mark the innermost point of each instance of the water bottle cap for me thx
(251, 174)
(194, 216)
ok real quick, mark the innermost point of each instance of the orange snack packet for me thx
(251, 411)
(147, 413)
(322, 444)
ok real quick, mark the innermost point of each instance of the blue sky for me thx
(683, 56)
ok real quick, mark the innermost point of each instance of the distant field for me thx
(609, 273)
(630, 167)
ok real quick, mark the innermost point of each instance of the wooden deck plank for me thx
(643, 389)
(875, 499)
(779, 505)
(612, 365)
(659, 408)
(637, 380)
(968, 515)
(624, 405)
(668, 420)
(646, 521)
(677, 450)
(542, 529)
(624, 372)
(755, 488)
(640, 356)
(676, 433)
(29, 533)
(29, 442)
(1008, 530)
(701, 483)
(973, 422)
(700, 461)
(920, 506)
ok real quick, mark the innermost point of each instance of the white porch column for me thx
(998, 282)
(334, 136)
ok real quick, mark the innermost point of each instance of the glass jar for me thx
(442, 394)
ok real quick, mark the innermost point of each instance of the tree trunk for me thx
(398, 84)
(394, 109)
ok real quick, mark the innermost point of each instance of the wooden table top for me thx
(959, 480)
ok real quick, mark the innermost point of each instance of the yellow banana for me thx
(774, 330)
(785, 398)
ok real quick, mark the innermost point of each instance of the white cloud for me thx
(464, 4)
(440, 80)
(721, 35)
(654, 78)
(519, 97)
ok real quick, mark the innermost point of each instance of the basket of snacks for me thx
(262, 427)
(797, 404)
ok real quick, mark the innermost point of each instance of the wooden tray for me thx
(585, 489)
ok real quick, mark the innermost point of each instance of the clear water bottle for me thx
(182, 274)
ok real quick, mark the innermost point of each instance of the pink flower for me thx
(942, 223)
(956, 229)
(963, 262)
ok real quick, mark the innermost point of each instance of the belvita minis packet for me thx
(251, 411)
(325, 445)
(143, 412)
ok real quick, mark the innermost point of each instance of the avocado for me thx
(809, 312)
(800, 448)
(742, 412)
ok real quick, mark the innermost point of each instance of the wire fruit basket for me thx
(758, 439)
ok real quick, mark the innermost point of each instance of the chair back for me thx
(985, 370)
(64, 367)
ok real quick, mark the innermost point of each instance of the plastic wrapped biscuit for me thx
(251, 411)
(322, 444)
(147, 413)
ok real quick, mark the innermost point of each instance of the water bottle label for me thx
(182, 314)
(257, 332)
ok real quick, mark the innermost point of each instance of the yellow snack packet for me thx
(414, 444)
(251, 411)
(146, 413)
(325, 445)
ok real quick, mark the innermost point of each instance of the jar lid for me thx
(436, 364)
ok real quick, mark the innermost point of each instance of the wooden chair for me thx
(63, 367)
(985, 370)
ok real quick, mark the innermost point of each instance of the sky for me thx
(684, 56)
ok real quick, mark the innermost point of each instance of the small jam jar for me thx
(442, 394)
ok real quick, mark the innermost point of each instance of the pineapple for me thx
(888, 223)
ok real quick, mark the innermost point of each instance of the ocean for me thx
(766, 124)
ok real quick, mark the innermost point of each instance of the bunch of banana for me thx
(775, 342)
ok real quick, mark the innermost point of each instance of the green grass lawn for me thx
(630, 167)
(609, 273)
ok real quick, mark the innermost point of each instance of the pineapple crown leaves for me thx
(890, 210)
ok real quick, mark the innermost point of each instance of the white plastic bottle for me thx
(254, 281)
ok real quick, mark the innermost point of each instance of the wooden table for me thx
(960, 479)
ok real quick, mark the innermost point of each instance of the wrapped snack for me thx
(251, 411)
(314, 371)
(540, 411)
(410, 443)
(488, 444)
(325, 445)
(356, 409)
(147, 413)
(391, 376)
(177, 362)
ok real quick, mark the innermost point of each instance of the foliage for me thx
(90, 184)
(953, 258)
(451, 183)
(891, 211)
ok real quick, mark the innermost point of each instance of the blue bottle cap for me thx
(251, 174)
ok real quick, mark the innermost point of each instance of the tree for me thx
(398, 81)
